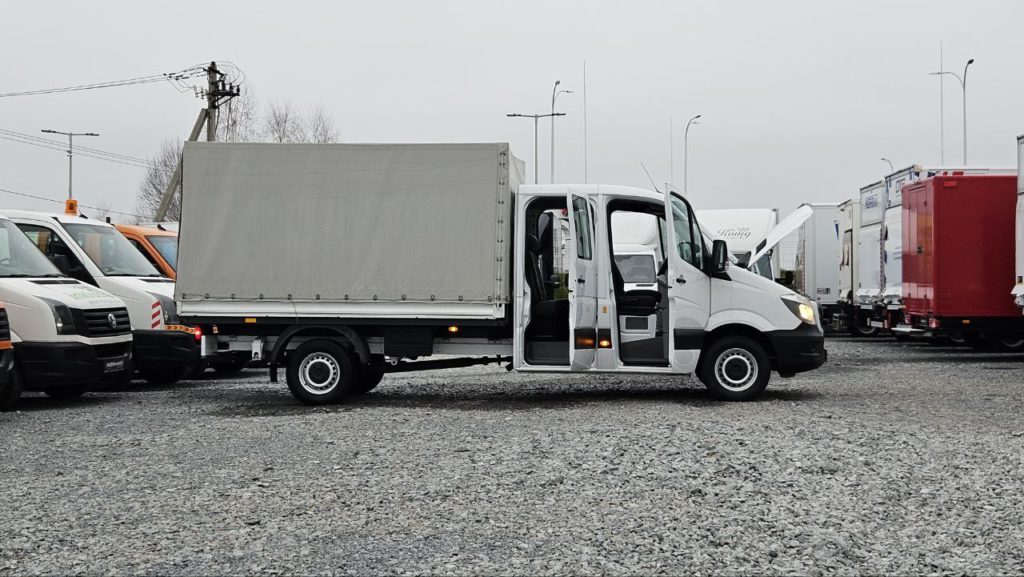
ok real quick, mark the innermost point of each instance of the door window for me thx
(57, 251)
(584, 228)
(688, 245)
(138, 246)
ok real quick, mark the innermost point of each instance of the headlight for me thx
(63, 320)
(801, 307)
(168, 307)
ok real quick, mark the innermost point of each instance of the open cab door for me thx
(582, 283)
(689, 284)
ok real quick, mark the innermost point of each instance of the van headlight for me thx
(801, 307)
(63, 320)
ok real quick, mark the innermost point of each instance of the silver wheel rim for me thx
(736, 369)
(319, 373)
(1012, 343)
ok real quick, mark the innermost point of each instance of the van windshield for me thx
(109, 251)
(167, 246)
(636, 268)
(19, 257)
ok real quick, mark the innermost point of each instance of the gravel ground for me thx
(891, 459)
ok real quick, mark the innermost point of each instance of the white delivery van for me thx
(344, 297)
(743, 229)
(1018, 287)
(66, 335)
(94, 252)
(847, 312)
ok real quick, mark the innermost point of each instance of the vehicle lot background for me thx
(890, 459)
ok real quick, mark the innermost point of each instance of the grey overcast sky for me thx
(800, 98)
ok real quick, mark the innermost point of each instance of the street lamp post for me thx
(70, 136)
(536, 118)
(891, 169)
(554, 96)
(686, 151)
(963, 86)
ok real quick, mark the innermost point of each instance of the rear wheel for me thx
(167, 376)
(863, 328)
(230, 367)
(10, 392)
(735, 368)
(1008, 345)
(321, 372)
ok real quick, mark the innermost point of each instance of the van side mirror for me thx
(719, 257)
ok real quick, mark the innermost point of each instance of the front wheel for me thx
(735, 368)
(10, 392)
(321, 372)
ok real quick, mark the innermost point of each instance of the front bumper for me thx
(159, 350)
(798, 350)
(48, 365)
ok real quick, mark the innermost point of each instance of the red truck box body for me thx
(958, 246)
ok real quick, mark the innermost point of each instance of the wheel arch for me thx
(344, 335)
(737, 329)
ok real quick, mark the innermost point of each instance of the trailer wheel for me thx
(735, 368)
(10, 392)
(864, 330)
(321, 372)
(1008, 345)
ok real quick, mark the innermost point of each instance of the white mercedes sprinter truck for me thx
(94, 252)
(66, 335)
(373, 258)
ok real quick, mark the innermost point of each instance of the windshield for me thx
(167, 246)
(19, 257)
(636, 268)
(109, 251)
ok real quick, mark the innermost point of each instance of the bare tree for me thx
(320, 126)
(153, 185)
(283, 124)
(239, 119)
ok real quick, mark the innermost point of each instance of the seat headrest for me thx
(532, 244)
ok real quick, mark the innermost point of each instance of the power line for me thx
(91, 153)
(78, 148)
(172, 77)
(37, 197)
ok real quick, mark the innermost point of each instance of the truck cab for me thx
(725, 323)
(157, 244)
(95, 253)
(65, 335)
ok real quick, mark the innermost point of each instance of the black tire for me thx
(230, 367)
(367, 378)
(723, 362)
(862, 328)
(68, 392)
(1007, 344)
(167, 376)
(321, 372)
(11, 392)
(958, 339)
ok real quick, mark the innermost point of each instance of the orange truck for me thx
(158, 245)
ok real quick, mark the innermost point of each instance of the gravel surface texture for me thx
(892, 459)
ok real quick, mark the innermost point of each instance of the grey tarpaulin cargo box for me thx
(362, 230)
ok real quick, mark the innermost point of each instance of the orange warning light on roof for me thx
(71, 207)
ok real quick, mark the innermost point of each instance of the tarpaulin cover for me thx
(346, 222)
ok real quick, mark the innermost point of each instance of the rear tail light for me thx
(198, 334)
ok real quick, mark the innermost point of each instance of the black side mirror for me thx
(719, 257)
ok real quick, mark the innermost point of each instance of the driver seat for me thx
(635, 303)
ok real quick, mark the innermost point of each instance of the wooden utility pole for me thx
(217, 93)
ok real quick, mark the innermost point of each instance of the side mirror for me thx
(719, 257)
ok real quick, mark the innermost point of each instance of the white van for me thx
(94, 252)
(380, 296)
(66, 335)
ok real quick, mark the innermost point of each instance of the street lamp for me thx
(554, 96)
(535, 118)
(891, 169)
(963, 86)
(686, 150)
(70, 136)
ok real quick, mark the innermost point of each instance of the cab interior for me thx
(546, 337)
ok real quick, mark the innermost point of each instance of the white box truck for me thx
(362, 259)
(846, 318)
(869, 256)
(94, 253)
(1017, 292)
(66, 335)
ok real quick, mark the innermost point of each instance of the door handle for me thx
(581, 280)
(680, 279)
(920, 251)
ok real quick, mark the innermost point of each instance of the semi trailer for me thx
(360, 260)
(957, 254)
(869, 257)
(846, 314)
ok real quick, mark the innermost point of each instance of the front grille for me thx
(5, 326)
(96, 322)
